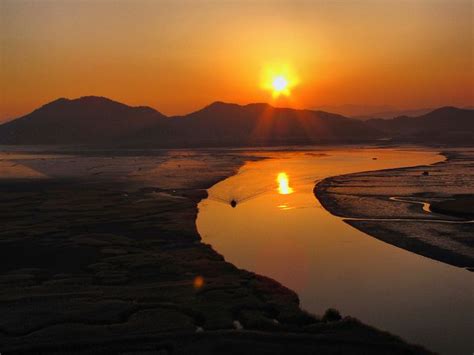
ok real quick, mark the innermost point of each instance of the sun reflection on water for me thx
(285, 207)
(284, 184)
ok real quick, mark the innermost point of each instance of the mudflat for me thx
(426, 209)
(100, 254)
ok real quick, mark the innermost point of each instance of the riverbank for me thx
(101, 255)
(391, 205)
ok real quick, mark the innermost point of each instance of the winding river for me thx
(279, 229)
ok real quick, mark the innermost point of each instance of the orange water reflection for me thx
(290, 237)
(284, 184)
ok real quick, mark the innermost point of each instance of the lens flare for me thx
(198, 282)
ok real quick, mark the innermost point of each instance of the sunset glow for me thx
(178, 58)
(237, 176)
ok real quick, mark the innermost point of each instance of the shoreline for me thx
(381, 208)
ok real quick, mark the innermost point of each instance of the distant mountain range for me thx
(365, 112)
(444, 125)
(395, 113)
(99, 121)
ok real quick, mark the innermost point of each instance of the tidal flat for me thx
(427, 210)
(100, 254)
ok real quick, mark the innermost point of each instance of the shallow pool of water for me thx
(279, 229)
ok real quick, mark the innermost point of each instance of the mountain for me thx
(356, 111)
(443, 125)
(395, 113)
(366, 112)
(87, 120)
(225, 124)
(99, 121)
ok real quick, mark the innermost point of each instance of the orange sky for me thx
(178, 56)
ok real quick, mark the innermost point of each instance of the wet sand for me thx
(100, 254)
(461, 206)
(417, 209)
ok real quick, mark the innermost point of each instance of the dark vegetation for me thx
(331, 315)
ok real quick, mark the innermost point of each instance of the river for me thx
(279, 229)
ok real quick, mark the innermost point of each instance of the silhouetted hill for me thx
(225, 124)
(87, 120)
(100, 121)
(443, 125)
(366, 112)
(356, 111)
(395, 113)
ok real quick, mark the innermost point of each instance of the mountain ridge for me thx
(99, 120)
(446, 124)
(70, 121)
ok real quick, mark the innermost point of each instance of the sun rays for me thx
(280, 80)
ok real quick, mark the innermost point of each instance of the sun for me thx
(279, 80)
(279, 83)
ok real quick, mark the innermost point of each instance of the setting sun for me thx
(279, 80)
(280, 84)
